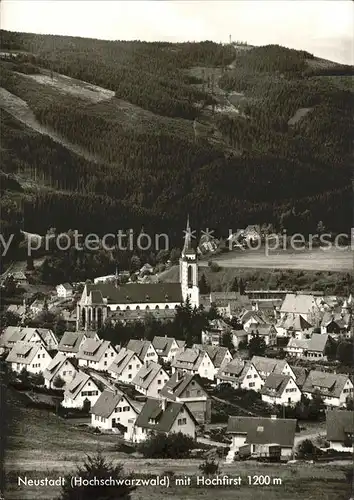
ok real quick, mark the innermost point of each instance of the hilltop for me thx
(129, 134)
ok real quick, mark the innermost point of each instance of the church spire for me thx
(187, 237)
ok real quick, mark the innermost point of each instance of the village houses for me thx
(268, 333)
(150, 380)
(125, 366)
(64, 290)
(71, 342)
(167, 347)
(186, 388)
(114, 410)
(163, 416)
(61, 367)
(33, 357)
(280, 390)
(340, 430)
(266, 366)
(81, 391)
(194, 361)
(262, 437)
(240, 375)
(144, 349)
(333, 388)
(218, 355)
(97, 354)
(44, 336)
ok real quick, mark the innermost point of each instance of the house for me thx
(97, 354)
(238, 337)
(267, 332)
(239, 375)
(163, 416)
(33, 357)
(251, 320)
(64, 290)
(297, 348)
(300, 304)
(70, 343)
(280, 390)
(167, 347)
(194, 361)
(301, 374)
(218, 355)
(144, 349)
(18, 309)
(336, 323)
(293, 324)
(340, 430)
(44, 336)
(81, 391)
(186, 388)
(114, 410)
(20, 278)
(62, 367)
(146, 269)
(213, 334)
(264, 437)
(229, 304)
(125, 366)
(333, 388)
(150, 380)
(317, 346)
(266, 366)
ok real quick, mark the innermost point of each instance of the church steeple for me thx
(187, 247)
(189, 269)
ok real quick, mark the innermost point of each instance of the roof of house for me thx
(70, 342)
(298, 344)
(298, 303)
(55, 365)
(73, 389)
(19, 309)
(268, 365)
(177, 384)
(23, 352)
(275, 384)
(189, 358)
(300, 373)
(140, 347)
(295, 322)
(135, 293)
(328, 384)
(231, 370)
(121, 361)
(146, 375)
(67, 286)
(163, 345)
(339, 423)
(252, 315)
(342, 320)
(263, 330)
(216, 353)
(93, 350)
(318, 342)
(108, 401)
(264, 430)
(164, 419)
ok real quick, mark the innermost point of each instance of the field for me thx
(41, 445)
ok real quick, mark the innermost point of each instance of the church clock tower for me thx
(188, 270)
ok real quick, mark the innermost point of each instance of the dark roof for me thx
(338, 423)
(137, 292)
(177, 385)
(153, 409)
(70, 342)
(300, 373)
(328, 384)
(107, 402)
(275, 384)
(260, 430)
(318, 342)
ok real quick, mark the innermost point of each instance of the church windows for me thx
(190, 276)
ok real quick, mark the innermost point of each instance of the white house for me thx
(316, 348)
(219, 355)
(150, 380)
(333, 388)
(267, 332)
(238, 336)
(114, 410)
(340, 430)
(167, 347)
(280, 390)
(194, 361)
(64, 290)
(62, 367)
(300, 304)
(44, 336)
(266, 366)
(80, 391)
(34, 357)
(125, 366)
(144, 349)
(97, 354)
(297, 348)
(251, 320)
(240, 375)
(70, 342)
(261, 436)
(163, 417)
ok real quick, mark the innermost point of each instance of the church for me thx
(132, 301)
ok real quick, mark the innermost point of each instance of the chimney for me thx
(273, 417)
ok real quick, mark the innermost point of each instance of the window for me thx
(249, 376)
(130, 367)
(159, 382)
(105, 354)
(64, 373)
(129, 375)
(182, 421)
(105, 363)
(252, 384)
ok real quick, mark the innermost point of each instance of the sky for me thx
(322, 27)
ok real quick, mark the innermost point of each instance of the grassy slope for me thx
(42, 445)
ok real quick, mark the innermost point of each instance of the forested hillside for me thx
(254, 167)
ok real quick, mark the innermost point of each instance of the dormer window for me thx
(147, 297)
(152, 421)
(127, 297)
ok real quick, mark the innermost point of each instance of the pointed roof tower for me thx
(187, 248)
